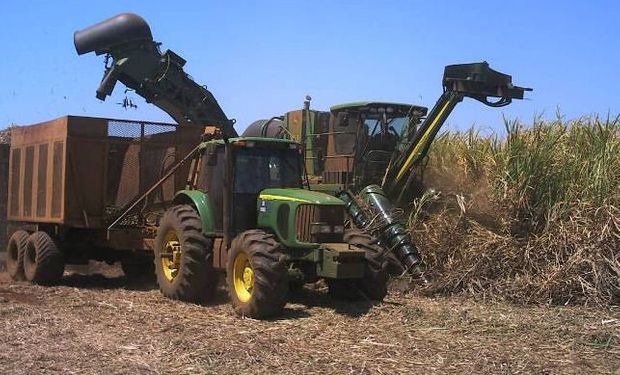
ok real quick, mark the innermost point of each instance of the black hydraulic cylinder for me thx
(107, 84)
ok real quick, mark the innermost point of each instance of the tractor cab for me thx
(235, 173)
(366, 134)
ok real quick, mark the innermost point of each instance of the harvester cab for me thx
(245, 209)
(370, 132)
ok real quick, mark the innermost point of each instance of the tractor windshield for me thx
(393, 125)
(261, 168)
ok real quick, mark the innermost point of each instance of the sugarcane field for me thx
(310, 188)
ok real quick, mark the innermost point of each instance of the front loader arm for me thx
(138, 63)
(477, 81)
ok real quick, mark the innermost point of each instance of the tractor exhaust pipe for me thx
(113, 32)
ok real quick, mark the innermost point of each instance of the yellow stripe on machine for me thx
(271, 197)
(416, 149)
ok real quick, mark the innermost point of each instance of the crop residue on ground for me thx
(98, 325)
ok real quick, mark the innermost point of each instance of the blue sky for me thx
(260, 58)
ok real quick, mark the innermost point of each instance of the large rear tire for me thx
(184, 257)
(15, 251)
(44, 263)
(257, 275)
(374, 283)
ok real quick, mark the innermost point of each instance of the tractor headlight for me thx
(339, 229)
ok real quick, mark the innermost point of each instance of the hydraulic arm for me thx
(138, 63)
(477, 81)
(371, 209)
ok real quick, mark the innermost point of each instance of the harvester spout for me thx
(138, 63)
(113, 32)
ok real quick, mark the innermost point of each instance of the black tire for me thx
(15, 255)
(269, 286)
(44, 263)
(195, 280)
(374, 283)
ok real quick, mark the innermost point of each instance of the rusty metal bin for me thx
(4, 177)
(81, 172)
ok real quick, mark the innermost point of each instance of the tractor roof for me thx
(401, 108)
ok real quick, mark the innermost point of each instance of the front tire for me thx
(15, 255)
(183, 257)
(256, 274)
(44, 263)
(374, 283)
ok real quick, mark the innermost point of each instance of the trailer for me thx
(72, 177)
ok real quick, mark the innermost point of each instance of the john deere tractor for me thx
(246, 209)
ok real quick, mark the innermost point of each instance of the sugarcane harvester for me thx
(368, 153)
(244, 209)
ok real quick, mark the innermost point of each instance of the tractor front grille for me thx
(309, 215)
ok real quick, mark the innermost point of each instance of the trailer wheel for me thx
(374, 283)
(184, 257)
(15, 255)
(44, 263)
(256, 274)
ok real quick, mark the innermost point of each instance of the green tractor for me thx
(247, 208)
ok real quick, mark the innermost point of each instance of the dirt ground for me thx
(100, 325)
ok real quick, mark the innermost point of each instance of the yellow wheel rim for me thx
(243, 277)
(171, 256)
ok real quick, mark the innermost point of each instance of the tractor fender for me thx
(200, 201)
